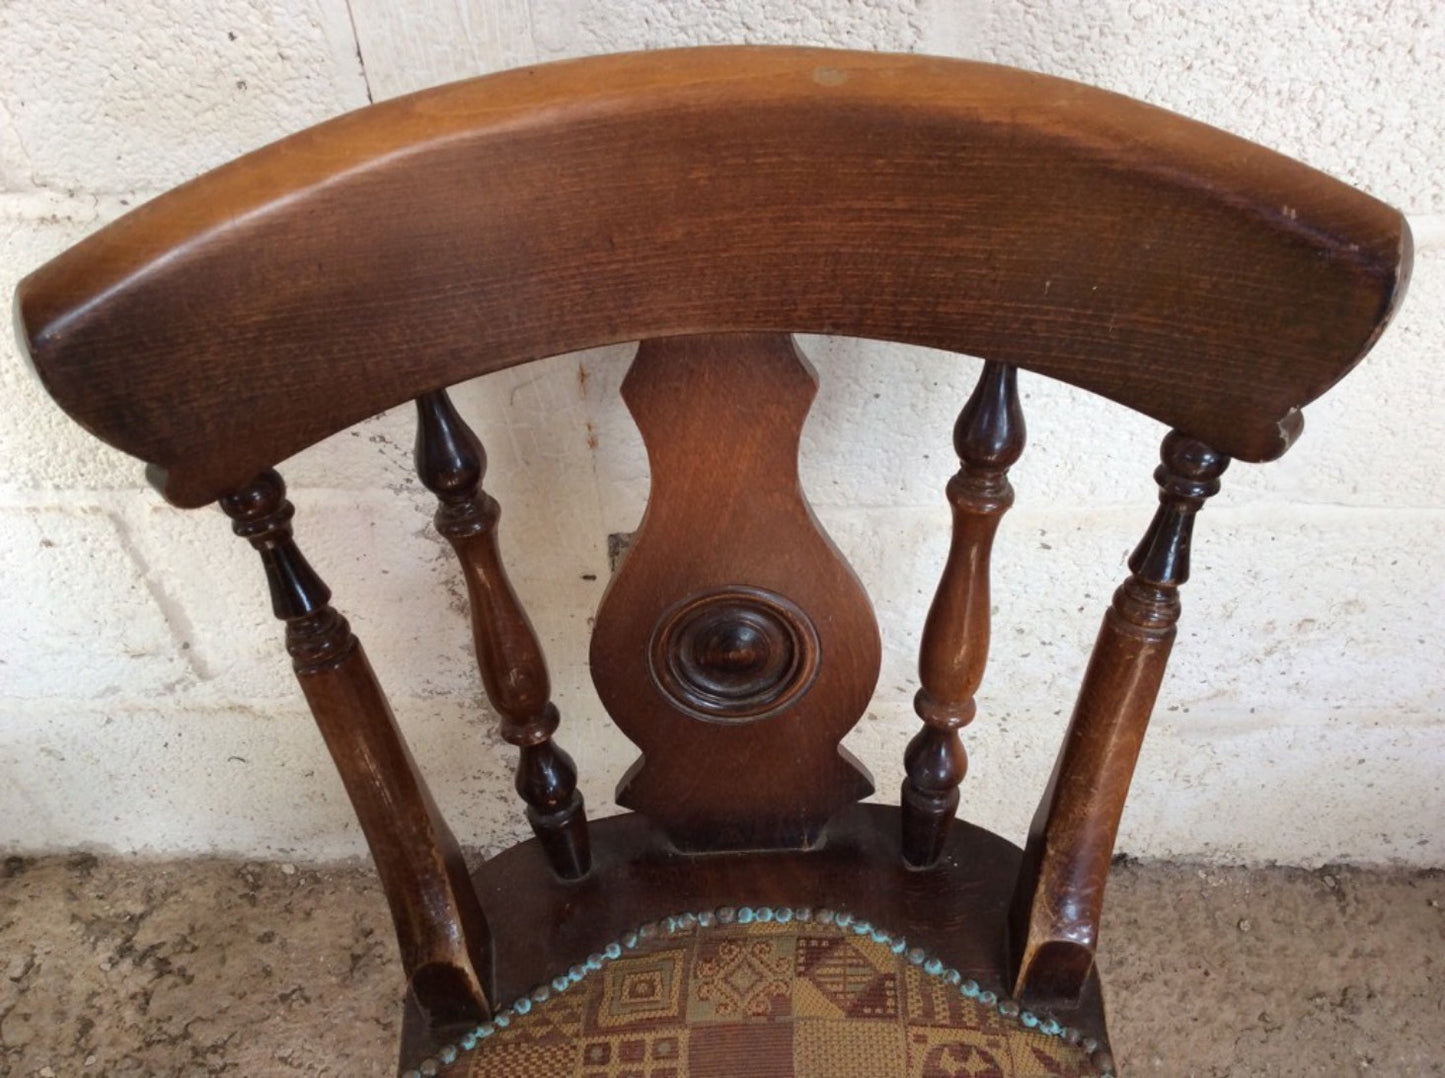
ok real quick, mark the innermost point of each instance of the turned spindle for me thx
(440, 927)
(1054, 921)
(989, 437)
(451, 462)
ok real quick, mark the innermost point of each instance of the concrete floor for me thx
(127, 967)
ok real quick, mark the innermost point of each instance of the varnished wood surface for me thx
(989, 438)
(1198, 278)
(1060, 895)
(734, 646)
(451, 463)
(441, 931)
(707, 201)
(955, 910)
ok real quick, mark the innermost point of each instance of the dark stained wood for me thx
(1060, 894)
(1188, 274)
(956, 910)
(734, 646)
(989, 437)
(451, 463)
(442, 933)
(708, 201)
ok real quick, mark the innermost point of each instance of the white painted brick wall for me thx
(144, 700)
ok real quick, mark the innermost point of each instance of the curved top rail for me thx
(1181, 271)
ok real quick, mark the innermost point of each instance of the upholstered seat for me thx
(769, 992)
(749, 915)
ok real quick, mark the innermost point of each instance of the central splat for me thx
(734, 646)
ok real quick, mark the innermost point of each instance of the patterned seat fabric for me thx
(764, 993)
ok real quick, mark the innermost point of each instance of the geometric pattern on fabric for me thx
(763, 993)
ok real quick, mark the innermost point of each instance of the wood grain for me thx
(440, 928)
(955, 910)
(451, 463)
(734, 646)
(1186, 273)
(989, 438)
(1060, 893)
(708, 202)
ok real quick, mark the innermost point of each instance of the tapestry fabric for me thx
(763, 994)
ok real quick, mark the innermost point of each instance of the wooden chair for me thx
(706, 202)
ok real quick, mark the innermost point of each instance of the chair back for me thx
(708, 203)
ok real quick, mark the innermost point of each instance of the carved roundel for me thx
(735, 654)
